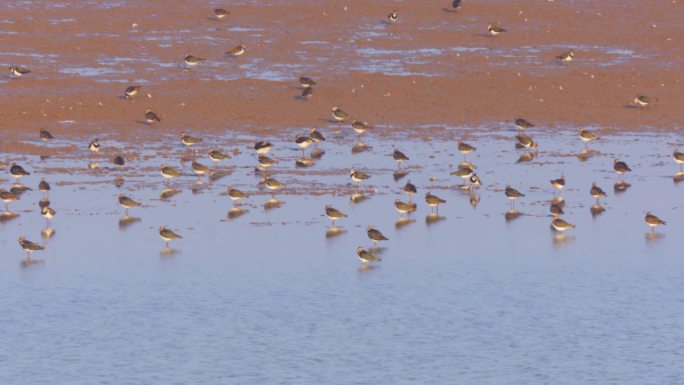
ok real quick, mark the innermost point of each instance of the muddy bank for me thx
(430, 68)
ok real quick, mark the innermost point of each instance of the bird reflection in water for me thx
(334, 231)
(621, 186)
(273, 203)
(403, 222)
(236, 212)
(357, 198)
(433, 218)
(512, 214)
(168, 193)
(596, 210)
(126, 221)
(47, 233)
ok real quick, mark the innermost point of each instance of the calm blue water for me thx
(268, 298)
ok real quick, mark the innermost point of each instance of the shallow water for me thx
(267, 297)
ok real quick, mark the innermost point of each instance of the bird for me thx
(642, 100)
(168, 235)
(272, 184)
(494, 29)
(236, 51)
(131, 91)
(8, 197)
(512, 194)
(168, 172)
(94, 145)
(303, 142)
(44, 186)
(262, 147)
(45, 135)
(306, 82)
(475, 180)
(333, 214)
(365, 256)
(620, 167)
(433, 201)
(127, 202)
(18, 71)
(522, 124)
(525, 141)
(189, 140)
(358, 176)
(29, 247)
(119, 161)
(559, 183)
(404, 207)
(199, 169)
(561, 225)
(191, 60)
(316, 135)
(218, 155)
(220, 13)
(410, 188)
(339, 115)
(359, 127)
(375, 235)
(17, 171)
(393, 16)
(463, 172)
(151, 117)
(596, 192)
(566, 56)
(48, 213)
(653, 221)
(678, 157)
(235, 194)
(465, 149)
(265, 162)
(587, 136)
(399, 157)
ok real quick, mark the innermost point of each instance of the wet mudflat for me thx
(267, 291)
(496, 294)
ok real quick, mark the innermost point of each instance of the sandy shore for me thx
(432, 67)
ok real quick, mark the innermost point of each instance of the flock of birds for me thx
(466, 170)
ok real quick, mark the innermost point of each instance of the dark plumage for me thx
(45, 135)
(29, 247)
(151, 117)
(131, 91)
(306, 82)
(316, 135)
(620, 167)
(375, 235)
(365, 256)
(17, 171)
(220, 13)
(523, 124)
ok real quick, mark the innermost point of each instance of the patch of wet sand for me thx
(431, 68)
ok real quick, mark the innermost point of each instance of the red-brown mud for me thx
(449, 71)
